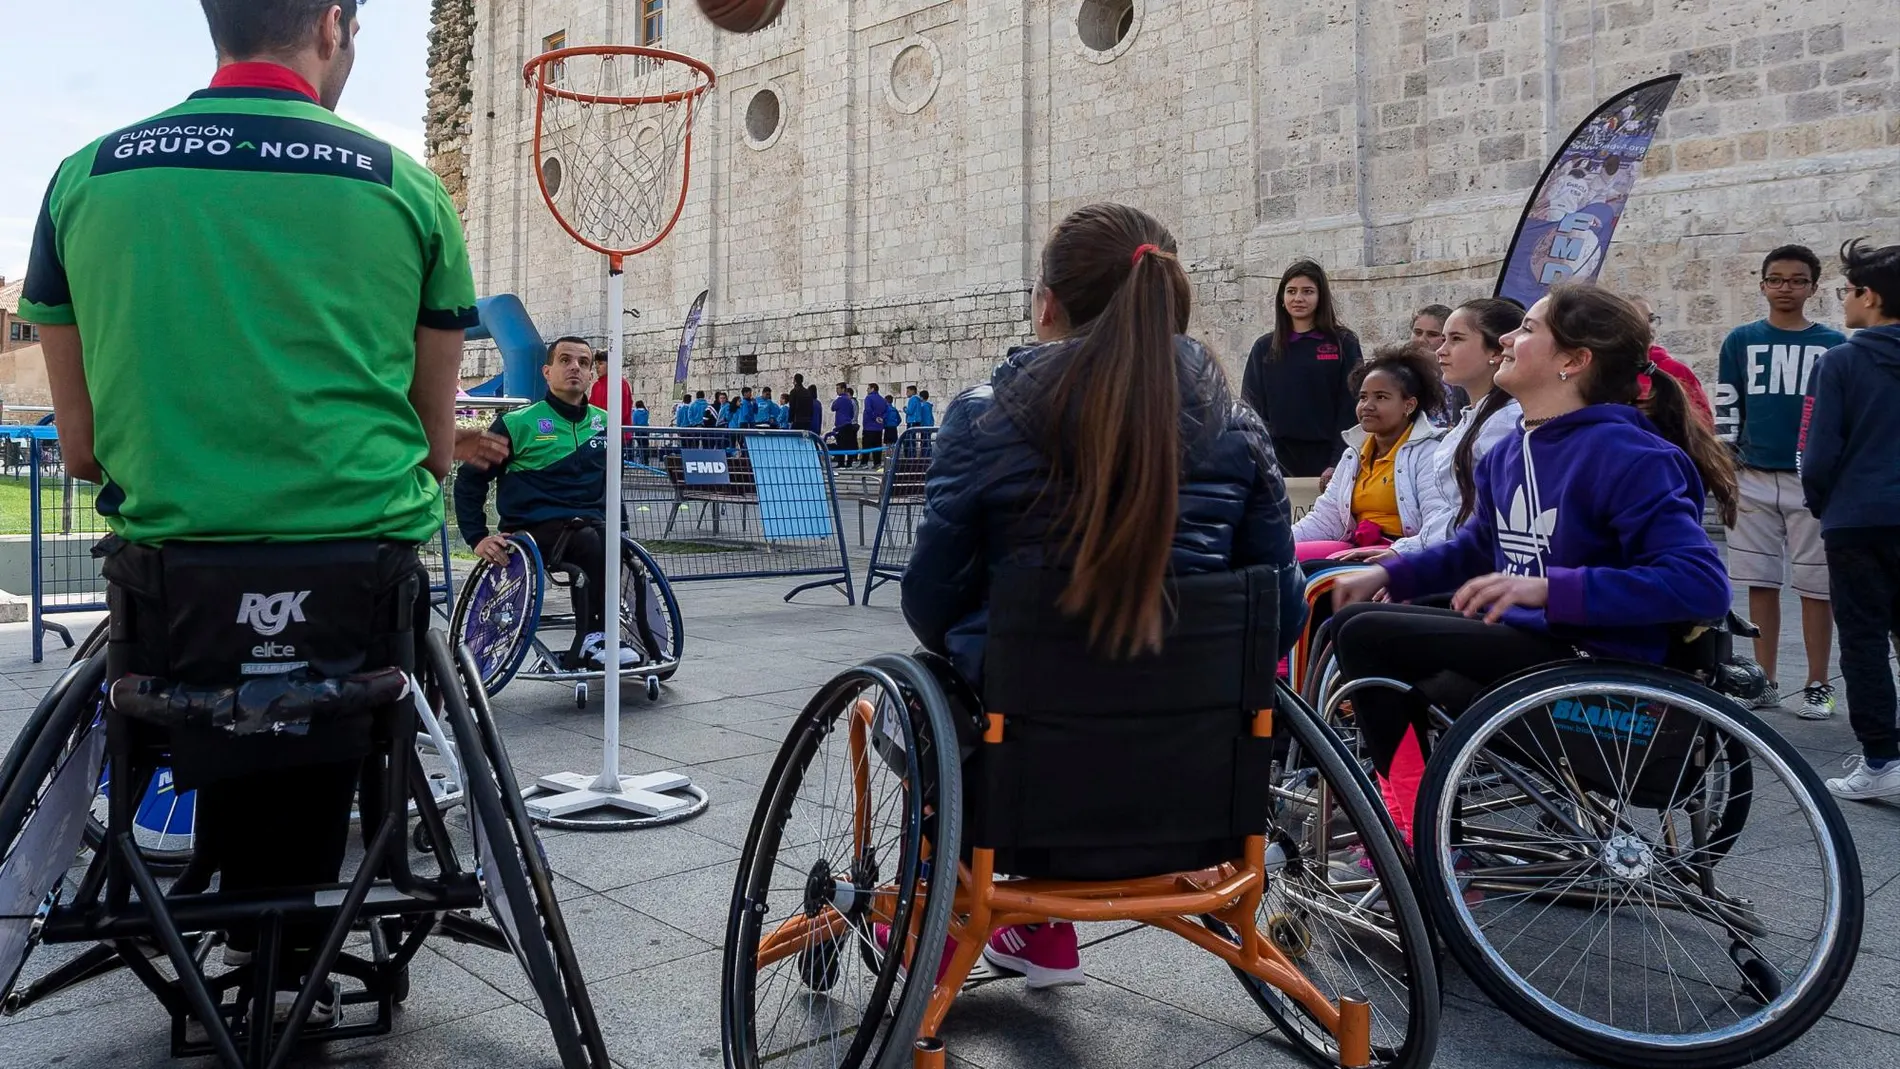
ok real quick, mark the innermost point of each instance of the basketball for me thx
(742, 16)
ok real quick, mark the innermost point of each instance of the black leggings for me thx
(585, 549)
(1451, 658)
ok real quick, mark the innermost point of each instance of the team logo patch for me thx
(599, 424)
(546, 426)
(1327, 351)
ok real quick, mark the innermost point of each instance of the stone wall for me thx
(446, 126)
(888, 229)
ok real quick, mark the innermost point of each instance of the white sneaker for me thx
(1817, 702)
(594, 649)
(322, 1012)
(1862, 782)
(1768, 699)
(629, 657)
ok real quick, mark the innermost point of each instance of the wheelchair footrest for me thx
(216, 911)
(282, 704)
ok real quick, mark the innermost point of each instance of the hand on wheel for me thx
(1367, 554)
(1358, 587)
(1493, 594)
(493, 549)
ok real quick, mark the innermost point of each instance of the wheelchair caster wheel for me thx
(420, 838)
(1290, 933)
(653, 688)
(818, 966)
(1760, 981)
(580, 695)
(399, 987)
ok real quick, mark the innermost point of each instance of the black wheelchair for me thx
(1113, 790)
(1623, 857)
(179, 685)
(500, 618)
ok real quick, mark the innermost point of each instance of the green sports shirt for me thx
(247, 272)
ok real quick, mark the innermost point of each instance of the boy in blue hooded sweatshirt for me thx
(1850, 473)
(1586, 535)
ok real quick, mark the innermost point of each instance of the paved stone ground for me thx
(648, 908)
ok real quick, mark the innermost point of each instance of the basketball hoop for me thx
(618, 120)
(613, 146)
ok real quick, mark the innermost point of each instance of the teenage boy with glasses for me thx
(1765, 369)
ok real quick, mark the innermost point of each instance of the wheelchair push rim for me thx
(44, 802)
(837, 847)
(498, 611)
(650, 621)
(1625, 898)
(1341, 903)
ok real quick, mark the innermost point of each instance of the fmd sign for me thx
(705, 467)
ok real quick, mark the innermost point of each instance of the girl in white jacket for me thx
(1382, 488)
(1469, 357)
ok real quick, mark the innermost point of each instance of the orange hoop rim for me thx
(532, 73)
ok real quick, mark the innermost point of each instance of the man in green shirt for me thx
(263, 307)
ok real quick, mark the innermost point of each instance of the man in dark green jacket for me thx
(555, 474)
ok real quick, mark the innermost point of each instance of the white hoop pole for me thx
(610, 735)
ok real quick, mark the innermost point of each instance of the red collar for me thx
(262, 76)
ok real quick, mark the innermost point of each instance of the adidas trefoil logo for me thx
(1525, 538)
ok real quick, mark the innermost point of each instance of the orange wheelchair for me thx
(1143, 790)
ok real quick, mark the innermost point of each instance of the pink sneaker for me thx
(1045, 954)
(882, 933)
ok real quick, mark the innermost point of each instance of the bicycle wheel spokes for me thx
(1588, 856)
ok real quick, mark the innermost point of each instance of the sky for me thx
(77, 69)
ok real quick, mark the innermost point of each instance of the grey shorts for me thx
(1775, 537)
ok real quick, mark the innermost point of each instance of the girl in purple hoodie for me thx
(1586, 535)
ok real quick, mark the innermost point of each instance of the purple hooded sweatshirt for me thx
(1604, 508)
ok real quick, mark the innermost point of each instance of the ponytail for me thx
(1495, 318)
(1464, 462)
(1117, 409)
(1667, 406)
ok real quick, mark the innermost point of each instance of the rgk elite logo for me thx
(268, 614)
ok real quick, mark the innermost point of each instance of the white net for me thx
(613, 133)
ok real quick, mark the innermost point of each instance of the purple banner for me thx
(688, 335)
(1573, 211)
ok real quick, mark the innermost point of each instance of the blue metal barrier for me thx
(899, 506)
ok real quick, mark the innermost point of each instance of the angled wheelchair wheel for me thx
(834, 890)
(497, 613)
(46, 789)
(510, 864)
(1637, 868)
(164, 824)
(1341, 904)
(649, 613)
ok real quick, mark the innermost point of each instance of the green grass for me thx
(16, 502)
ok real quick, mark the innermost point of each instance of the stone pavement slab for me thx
(648, 909)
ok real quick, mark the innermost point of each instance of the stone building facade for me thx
(879, 215)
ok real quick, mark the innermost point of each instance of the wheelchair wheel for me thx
(1587, 854)
(164, 824)
(498, 610)
(866, 789)
(1341, 905)
(649, 613)
(46, 787)
(510, 864)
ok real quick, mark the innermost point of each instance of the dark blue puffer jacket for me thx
(985, 506)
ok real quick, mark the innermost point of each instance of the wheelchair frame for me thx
(398, 907)
(1216, 908)
(543, 664)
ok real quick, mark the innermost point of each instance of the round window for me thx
(1105, 24)
(551, 175)
(763, 116)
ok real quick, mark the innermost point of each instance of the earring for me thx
(1563, 376)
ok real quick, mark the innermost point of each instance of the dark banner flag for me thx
(689, 334)
(1573, 210)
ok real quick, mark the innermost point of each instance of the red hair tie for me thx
(1142, 250)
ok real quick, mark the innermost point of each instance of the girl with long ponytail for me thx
(1113, 451)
